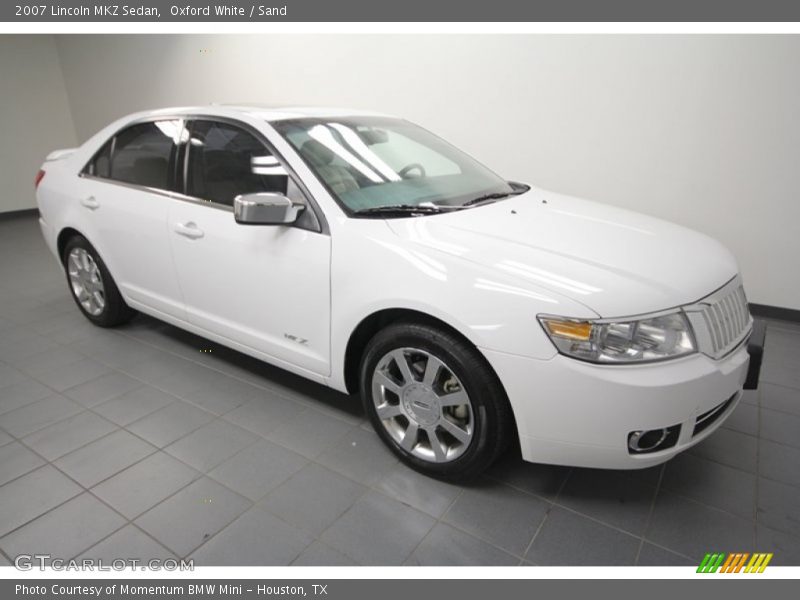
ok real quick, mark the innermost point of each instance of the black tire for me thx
(115, 312)
(493, 420)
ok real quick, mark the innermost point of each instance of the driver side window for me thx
(221, 164)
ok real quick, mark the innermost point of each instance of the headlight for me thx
(621, 341)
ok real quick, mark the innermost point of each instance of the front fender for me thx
(373, 270)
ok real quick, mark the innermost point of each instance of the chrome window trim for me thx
(185, 165)
(158, 192)
(324, 229)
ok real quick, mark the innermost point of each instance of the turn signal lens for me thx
(573, 330)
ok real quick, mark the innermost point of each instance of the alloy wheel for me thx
(423, 405)
(86, 281)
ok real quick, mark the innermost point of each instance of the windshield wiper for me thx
(401, 209)
(429, 208)
(495, 196)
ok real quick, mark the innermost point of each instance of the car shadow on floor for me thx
(231, 362)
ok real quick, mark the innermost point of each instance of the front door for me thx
(264, 286)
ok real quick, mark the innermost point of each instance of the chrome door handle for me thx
(91, 203)
(189, 230)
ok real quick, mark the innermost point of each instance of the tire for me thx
(484, 424)
(114, 311)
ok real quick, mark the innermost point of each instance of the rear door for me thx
(266, 287)
(125, 193)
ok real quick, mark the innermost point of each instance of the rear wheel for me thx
(92, 286)
(434, 400)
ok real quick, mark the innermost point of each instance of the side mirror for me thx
(265, 208)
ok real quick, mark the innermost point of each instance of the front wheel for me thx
(434, 401)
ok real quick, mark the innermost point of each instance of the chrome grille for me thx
(722, 320)
(727, 319)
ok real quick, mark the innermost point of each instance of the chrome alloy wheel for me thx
(422, 405)
(87, 284)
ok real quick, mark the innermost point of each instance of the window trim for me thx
(176, 194)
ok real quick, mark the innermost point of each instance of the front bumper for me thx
(575, 413)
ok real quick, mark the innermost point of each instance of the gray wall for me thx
(701, 130)
(34, 114)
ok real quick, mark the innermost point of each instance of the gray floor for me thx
(149, 442)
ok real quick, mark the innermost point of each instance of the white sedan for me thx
(367, 254)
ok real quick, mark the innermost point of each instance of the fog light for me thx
(653, 440)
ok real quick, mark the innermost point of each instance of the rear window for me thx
(100, 165)
(144, 153)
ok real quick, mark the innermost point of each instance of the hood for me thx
(615, 262)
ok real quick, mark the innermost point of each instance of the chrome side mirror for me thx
(265, 208)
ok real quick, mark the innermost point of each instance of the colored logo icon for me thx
(734, 562)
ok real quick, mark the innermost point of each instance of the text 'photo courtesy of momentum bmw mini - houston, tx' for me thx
(365, 253)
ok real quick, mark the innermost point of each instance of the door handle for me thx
(189, 230)
(91, 203)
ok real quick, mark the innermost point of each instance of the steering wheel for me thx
(404, 172)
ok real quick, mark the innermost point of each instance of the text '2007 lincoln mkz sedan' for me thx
(367, 254)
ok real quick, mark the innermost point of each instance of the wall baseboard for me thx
(16, 214)
(775, 312)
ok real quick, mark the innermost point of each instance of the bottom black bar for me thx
(728, 586)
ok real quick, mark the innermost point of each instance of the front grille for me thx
(708, 418)
(724, 319)
(727, 319)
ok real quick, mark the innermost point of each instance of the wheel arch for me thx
(504, 434)
(64, 236)
(372, 324)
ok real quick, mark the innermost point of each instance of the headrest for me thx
(316, 153)
(151, 171)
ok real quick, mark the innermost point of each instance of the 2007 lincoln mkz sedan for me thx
(367, 254)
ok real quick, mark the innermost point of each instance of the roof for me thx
(260, 112)
(297, 112)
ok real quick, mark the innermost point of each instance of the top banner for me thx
(465, 11)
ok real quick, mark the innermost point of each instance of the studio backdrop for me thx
(702, 130)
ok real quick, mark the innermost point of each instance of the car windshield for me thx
(377, 164)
